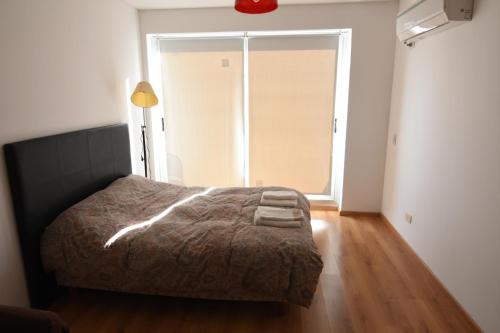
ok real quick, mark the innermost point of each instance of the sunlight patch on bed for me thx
(156, 218)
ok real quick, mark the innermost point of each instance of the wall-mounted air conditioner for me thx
(426, 17)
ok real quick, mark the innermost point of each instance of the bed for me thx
(85, 222)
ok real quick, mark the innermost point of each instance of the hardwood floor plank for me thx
(371, 282)
(339, 313)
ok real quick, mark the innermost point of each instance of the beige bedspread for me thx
(207, 247)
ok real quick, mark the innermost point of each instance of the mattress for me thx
(142, 236)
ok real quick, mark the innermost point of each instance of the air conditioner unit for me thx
(431, 16)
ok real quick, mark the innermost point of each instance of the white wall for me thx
(373, 27)
(63, 66)
(445, 168)
(406, 4)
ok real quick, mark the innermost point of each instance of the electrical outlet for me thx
(409, 218)
(395, 139)
(225, 62)
(259, 182)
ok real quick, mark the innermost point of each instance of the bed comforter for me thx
(207, 247)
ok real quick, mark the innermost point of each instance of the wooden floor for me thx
(371, 282)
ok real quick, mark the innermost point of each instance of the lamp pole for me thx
(144, 151)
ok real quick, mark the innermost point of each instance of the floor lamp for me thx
(144, 97)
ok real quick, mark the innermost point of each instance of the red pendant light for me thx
(256, 6)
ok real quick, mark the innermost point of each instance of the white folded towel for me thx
(269, 201)
(278, 203)
(280, 214)
(281, 224)
(280, 195)
(265, 217)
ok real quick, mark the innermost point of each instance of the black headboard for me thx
(48, 175)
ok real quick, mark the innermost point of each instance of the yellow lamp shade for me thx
(144, 95)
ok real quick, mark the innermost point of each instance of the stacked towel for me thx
(280, 214)
(278, 217)
(280, 195)
(279, 198)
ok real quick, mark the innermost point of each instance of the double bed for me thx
(85, 222)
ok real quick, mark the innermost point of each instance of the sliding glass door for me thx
(250, 109)
(291, 111)
(203, 101)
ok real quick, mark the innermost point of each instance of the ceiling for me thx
(169, 4)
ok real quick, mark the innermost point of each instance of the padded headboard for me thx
(48, 175)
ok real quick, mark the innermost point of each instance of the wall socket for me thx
(259, 182)
(409, 218)
(395, 139)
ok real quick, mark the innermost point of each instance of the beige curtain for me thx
(292, 84)
(203, 98)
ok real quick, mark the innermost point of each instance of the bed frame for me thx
(48, 175)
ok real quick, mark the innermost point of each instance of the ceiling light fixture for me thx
(255, 6)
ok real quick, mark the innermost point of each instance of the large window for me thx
(203, 105)
(292, 85)
(255, 108)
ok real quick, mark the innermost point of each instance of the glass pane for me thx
(292, 85)
(203, 98)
